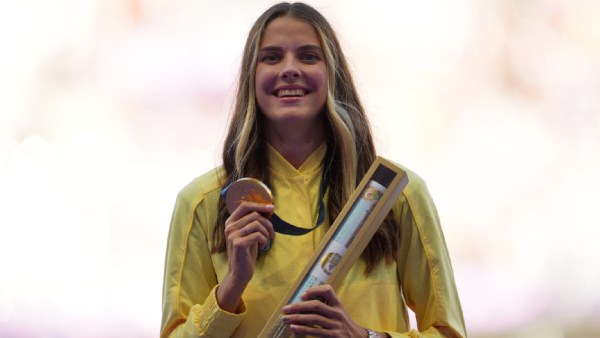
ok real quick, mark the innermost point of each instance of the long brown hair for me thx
(350, 148)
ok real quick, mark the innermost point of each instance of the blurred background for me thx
(108, 108)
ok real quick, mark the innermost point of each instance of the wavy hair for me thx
(350, 148)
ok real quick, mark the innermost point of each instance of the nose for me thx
(290, 70)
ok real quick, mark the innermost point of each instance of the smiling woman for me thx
(299, 127)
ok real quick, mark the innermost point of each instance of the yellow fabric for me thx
(376, 301)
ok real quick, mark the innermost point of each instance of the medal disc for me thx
(247, 189)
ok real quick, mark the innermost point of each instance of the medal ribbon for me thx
(286, 228)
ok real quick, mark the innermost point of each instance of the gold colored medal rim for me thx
(247, 183)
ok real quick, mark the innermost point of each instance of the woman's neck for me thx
(294, 145)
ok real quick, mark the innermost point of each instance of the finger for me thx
(312, 331)
(241, 245)
(255, 237)
(325, 293)
(252, 215)
(312, 325)
(248, 207)
(309, 319)
(263, 210)
(256, 226)
(251, 234)
(248, 220)
(311, 307)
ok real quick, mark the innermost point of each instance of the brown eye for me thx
(310, 57)
(271, 58)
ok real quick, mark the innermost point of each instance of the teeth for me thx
(290, 92)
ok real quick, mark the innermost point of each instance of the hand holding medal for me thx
(248, 231)
(248, 190)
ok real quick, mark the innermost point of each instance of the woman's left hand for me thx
(321, 314)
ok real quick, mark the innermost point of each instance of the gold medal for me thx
(247, 189)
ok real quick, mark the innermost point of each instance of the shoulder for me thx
(416, 184)
(415, 196)
(202, 187)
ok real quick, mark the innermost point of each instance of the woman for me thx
(299, 126)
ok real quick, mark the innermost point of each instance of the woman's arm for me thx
(195, 302)
(190, 308)
(424, 267)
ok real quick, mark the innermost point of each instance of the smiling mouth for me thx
(290, 93)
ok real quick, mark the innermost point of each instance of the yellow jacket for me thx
(421, 277)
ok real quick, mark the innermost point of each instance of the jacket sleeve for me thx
(190, 308)
(424, 267)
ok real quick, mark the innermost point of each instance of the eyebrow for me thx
(279, 49)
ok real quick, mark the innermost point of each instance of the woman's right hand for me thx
(247, 231)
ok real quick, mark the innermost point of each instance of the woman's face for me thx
(291, 75)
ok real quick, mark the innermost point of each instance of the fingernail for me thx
(267, 246)
(286, 319)
(287, 308)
